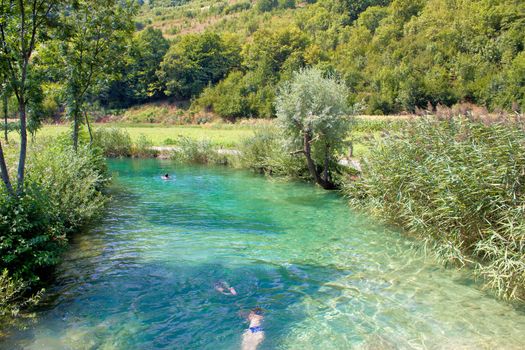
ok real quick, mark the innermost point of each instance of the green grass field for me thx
(227, 136)
(221, 134)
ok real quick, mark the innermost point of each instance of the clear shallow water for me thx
(143, 277)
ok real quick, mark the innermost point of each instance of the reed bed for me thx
(459, 185)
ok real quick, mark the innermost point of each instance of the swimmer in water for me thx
(254, 335)
(165, 177)
(224, 288)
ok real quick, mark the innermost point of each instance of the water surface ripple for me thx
(143, 277)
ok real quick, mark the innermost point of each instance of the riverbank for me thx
(459, 186)
(64, 191)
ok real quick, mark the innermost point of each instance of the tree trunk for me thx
(89, 129)
(4, 173)
(23, 146)
(312, 167)
(327, 163)
(6, 112)
(76, 128)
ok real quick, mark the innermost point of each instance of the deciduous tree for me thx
(196, 61)
(22, 25)
(92, 38)
(312, 111)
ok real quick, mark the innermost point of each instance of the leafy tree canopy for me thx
(196, 61)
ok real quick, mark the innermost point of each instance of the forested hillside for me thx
(229, 57)
(393, 55)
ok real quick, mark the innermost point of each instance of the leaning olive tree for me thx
(313, 113)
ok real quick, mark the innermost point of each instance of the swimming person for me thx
(254, 335)
(165, 177)
(224, 288)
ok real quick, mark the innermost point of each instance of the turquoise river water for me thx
(327, 278)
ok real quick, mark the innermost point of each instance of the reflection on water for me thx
(328, 279)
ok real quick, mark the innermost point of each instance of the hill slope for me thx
(394, 55)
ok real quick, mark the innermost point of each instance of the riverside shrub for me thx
(459, 185)
(113, 141)
(265, 152)
(197, 152)
(12, 302)
(64, 190)
(116, 143)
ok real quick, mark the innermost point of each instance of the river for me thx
(327, 278)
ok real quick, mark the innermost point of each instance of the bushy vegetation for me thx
(197, 152)
(266, 153)
(64, 191)
(136, 80)
(196, 61)
(394, 56)
(459, 185)
(313, 113)
(13, 302)
(116, 142)
(231, 57)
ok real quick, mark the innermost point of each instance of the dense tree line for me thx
(394, 56)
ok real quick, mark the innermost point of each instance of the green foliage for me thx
(142, 148)
(272, 57)
(32, 238)
(148, 50)
(460, 186)
(354, 8)
(92, 33)
(63, 192)
(73, 191)
(197, 152)
(266, 5)
(137, 81)
(265, 152)
(114, 142)
(394, 56)
(407, 55)
(13, 300)
(237, 7)
(313, 114)
(228, 98)
(286, 4)
(196, 61)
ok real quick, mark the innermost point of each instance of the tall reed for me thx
(459, 185)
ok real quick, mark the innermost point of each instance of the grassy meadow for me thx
(226, 136)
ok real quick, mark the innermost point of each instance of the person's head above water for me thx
(256, 312)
